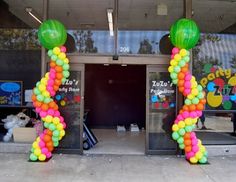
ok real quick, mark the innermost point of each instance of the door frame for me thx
(155, 68)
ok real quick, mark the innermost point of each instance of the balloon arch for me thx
(184, 35)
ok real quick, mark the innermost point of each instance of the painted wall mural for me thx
(52, 36)
(184, 35)
(220, 87)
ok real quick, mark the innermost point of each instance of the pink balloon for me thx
(199, 113)
(194, 141)
(64, 124)
(175, 50)
(50, 82)
(42, 114)
(179, 117)
(52, 76)
(185, 114)
(61, 118)
(195, 148)
(38, 109)
(187, 85)
(192, 135)
(172, 56)
(41, 144)
(51, 112)
(193, 114)
(63, 49)
(187, 77)
(187, 91)
(48, 155)
(44, 150)
(56, 113)
(189, 155)
(41, 136)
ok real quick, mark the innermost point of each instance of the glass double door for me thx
(70, 99)
(160, 111)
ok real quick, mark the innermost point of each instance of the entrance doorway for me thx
(115, 99)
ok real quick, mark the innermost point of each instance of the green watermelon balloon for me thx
(184, 34)
(52, 33)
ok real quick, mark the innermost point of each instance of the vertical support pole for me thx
(43, 50)
(116, 7)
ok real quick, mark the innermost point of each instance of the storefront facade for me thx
(139, 39)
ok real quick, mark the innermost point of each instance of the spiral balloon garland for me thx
(184, 34)
(52, 35)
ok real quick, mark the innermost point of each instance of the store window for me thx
(20, 57)
(214, 61)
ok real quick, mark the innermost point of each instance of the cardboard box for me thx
(26, 135)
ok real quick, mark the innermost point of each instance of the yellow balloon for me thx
(47, 75)
(35, 145)
(48, 119)
(37, 151)
(173, 62)
(214, 100)
(42, 87)
(181, 124)
(42, 157)
(56, 50)
(177, 57)
(59, 126)
(199, 155)
(194, 120)
(183, 52)
(46, 94)
(175, 127)
(62, 133)
(188, 121)
(56, 120)
(62, 55)
(194, 91)
(171, 69)
(66, 60)
(38, 139)
(190, 96)
(202, 148)
(193, 160)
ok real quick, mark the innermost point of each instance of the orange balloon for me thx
(47, 138)
(49, 144)
(55, 87)
(57, 82)
(51, 104)
(181, 111)
(187, 142)
(184, 69)
(181, 83)
(38, 104)
(52, 64)
(203, 101)
(192, 107)
(58, 69)
(55, 107)
(59, 76)
(187, 136)
(181, 75)
(185, 108)
(181, 89)
(188, 148)
(34, 98)
(200, 106)
(50, 148)
(48, 132)
(44, 107)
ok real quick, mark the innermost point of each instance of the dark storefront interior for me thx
(115, 95)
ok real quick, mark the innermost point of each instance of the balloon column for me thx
(52, 35)
(184, 34)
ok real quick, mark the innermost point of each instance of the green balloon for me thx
(52, 33)
(199, 87)
(200, 95)
(52, 127)
(177, 69)
(184, 33)
(66, 74)
(55, 139)
(181, 131)
(46, 125)
(36, 91)
(180, 140)
(181, 63)
(175, 81)
(195, 100)
(54, 57)
(181, 146)
(47, 100)
(50, 53)
(66, 67)
(173, 75)
(203, 160)
(55, 144)
(56, 133)
(59, 62)
(188, 128)
(187, 102)
(40, 98)
(175, 135)
(33, 157)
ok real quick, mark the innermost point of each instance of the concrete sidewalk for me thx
(114, 168)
